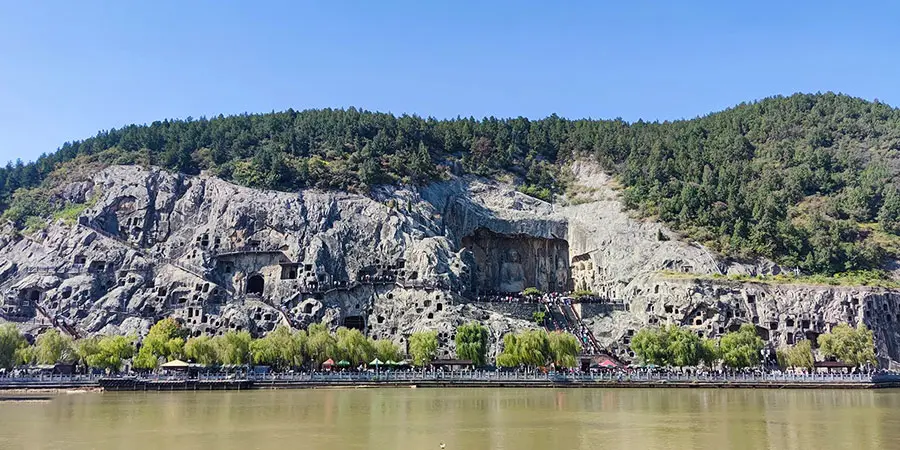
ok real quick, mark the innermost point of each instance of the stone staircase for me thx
(61, 325)
(583, 332)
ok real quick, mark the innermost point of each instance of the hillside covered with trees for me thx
(808, 180)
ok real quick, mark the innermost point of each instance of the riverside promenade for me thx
(439, 379)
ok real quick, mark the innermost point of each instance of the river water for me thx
(412, 419)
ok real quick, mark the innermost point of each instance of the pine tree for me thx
(889, 214)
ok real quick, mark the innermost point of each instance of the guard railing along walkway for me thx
(506, 376)
(474, 377)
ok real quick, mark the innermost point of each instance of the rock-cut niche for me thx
(357, 322)
(255, 284)
(511, 263)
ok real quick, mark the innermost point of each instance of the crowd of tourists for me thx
(549, 298)
(519, 297)
(324, 286)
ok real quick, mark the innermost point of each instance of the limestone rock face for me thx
(219, 257)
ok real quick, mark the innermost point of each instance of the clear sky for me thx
(71, 68)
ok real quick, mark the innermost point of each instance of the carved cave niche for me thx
(511, 263)
(289, 271)
(355, 322)
(255, 284)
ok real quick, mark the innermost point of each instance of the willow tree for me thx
(386, 350)
(85, 348)
(110, 352)
(164, 341)
(509, 357)
(564, 349)
(741, 348)
(423, 347)
(855, 346)
(651, 346)
(685, 348)
(353, 346)
(11, 341)
(233, 347)
(320, 344)
(472, 343)
(710, 353)
(52, 347)
(797, 355)
(280, 348)
(201, 350)
(533, 348)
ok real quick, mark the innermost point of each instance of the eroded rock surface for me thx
(223, 257)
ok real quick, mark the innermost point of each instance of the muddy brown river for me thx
(513, 419)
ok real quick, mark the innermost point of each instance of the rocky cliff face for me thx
(219, 256)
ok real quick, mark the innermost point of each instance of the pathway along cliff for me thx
(449, 379)
(218, 257)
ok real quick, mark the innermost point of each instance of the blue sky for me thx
(69, 69)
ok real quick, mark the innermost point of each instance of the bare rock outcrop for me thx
(223, 257)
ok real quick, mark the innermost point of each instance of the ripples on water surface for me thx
(411, 419)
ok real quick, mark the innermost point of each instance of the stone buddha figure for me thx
(562, 273)
(512, 274)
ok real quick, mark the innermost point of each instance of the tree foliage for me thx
(386, 350)
(233, 347)
(671, 346)
(889, 214)
(472, 343)
(785, 177)
(320, 344)
(281, 349)
(710, 353)
(798, 355)
(685, 347)
(353, 346)
(650, 346)
(164, 341)
(108, 352)
(741, 348)
(855, 346)
(85, 348)
(423, 347)
(564, 349)
(538, 348)
(533, 348)
(201, 350)
(11, 341)
(509, 356)
(51, 347)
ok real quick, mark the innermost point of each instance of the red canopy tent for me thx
(608, 363)
(328, 363)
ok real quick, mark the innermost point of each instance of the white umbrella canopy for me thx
(175, 364)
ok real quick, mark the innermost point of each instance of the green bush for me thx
(70, 213)
(538, 192)
(581, 293)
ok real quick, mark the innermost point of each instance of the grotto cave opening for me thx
(511, 263)
(357, 322)
(255, 284)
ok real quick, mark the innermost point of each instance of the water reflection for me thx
(517, 419)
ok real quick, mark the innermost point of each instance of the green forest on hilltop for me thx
(808, 180)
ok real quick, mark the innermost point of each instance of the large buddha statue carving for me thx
(512, 274)
(562, 273)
